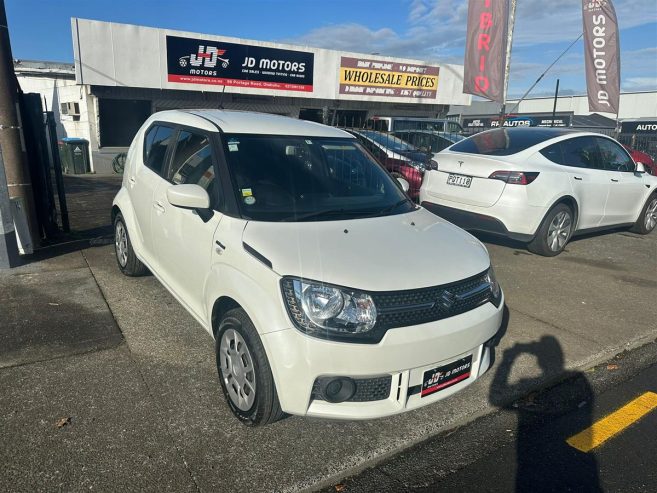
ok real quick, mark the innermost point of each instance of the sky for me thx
(430, 30)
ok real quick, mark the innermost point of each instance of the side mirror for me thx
(404, 184)
(188, 197)
(640, 168)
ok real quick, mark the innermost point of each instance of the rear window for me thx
(503, 141)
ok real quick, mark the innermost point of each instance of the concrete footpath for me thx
(137, 405)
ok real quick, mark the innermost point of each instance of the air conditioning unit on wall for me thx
(72, 109)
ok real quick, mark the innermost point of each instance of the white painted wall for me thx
(49, 88)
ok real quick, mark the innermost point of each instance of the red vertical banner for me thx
(601, 55)
(485, 48)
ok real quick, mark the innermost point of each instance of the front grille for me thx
(418, 306)
(367, 389)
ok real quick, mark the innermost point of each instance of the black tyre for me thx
(648, 217)
(128, 262)
(244, 371)
(554, 232)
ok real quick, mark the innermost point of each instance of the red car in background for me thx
(643, 158)
(401, 159)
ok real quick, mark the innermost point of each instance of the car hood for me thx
(404, 251)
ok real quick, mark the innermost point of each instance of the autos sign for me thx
(485, 48)
(639, 127)
(380, 78)
(560, 120)
(197, 61)
(601, 55)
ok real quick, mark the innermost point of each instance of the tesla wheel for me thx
(244, 371)
(554, 232)
(648, 217)
(128, 262)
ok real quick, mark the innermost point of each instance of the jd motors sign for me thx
(198, 61)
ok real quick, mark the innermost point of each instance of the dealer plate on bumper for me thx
(445, 376)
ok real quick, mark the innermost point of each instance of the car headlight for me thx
(496, 291)
(324, 310)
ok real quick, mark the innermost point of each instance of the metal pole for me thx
(9, 256)
(544, 72)
(554, 107)
(12, 144)
(507, 62)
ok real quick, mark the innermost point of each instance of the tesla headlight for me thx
(496, 291)
(324, 310)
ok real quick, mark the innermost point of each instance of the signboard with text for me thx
(480, 122)
(198, 61)
(366, 77)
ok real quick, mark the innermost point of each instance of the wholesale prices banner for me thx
(366, 77)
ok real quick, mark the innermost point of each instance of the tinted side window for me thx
(581, 152)
(192, 162)
(553, 153)
(155, 147)
(613, 157)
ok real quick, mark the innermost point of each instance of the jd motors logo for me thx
(206, 56)
(594, 5)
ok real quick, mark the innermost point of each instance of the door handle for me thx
(158, 207)
(614, 180)
(220, 247)
(578, 178)
(132, 180)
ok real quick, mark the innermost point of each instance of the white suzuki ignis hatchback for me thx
(289, 243)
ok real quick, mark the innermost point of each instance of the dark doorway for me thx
(120, 119)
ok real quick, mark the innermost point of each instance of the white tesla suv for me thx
(282, 238)
(540, 186)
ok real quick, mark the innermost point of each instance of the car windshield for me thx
(294, 178)
(390, 142)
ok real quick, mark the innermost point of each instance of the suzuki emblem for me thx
(447, 299)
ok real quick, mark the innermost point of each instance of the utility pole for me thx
(16, 170)
(9, 256)
(554, 107)
(507, 62)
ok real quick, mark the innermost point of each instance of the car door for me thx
(145, 178)
(627, 188)
(589, 181)
(183, 239)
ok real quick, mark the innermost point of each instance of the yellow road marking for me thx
(605, 428)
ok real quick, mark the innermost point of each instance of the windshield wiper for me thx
(324, 213)
(392, 207)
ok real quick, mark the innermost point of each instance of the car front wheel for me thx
(128, 262)
(648, 217)
(244, 371)
(554, 232)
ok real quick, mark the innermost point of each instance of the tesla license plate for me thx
(445, 376)
(459, 180)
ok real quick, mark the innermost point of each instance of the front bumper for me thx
(404, 354)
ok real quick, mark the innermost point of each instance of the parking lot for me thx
(145, 410)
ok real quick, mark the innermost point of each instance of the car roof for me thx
(248, 122)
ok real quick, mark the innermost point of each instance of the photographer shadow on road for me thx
(544, 461)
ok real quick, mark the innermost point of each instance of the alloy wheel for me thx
(121, 243)
(237, 370)
(559, 231)
(651, 215)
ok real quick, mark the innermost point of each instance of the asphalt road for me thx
(149, 414)
(525, 448)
